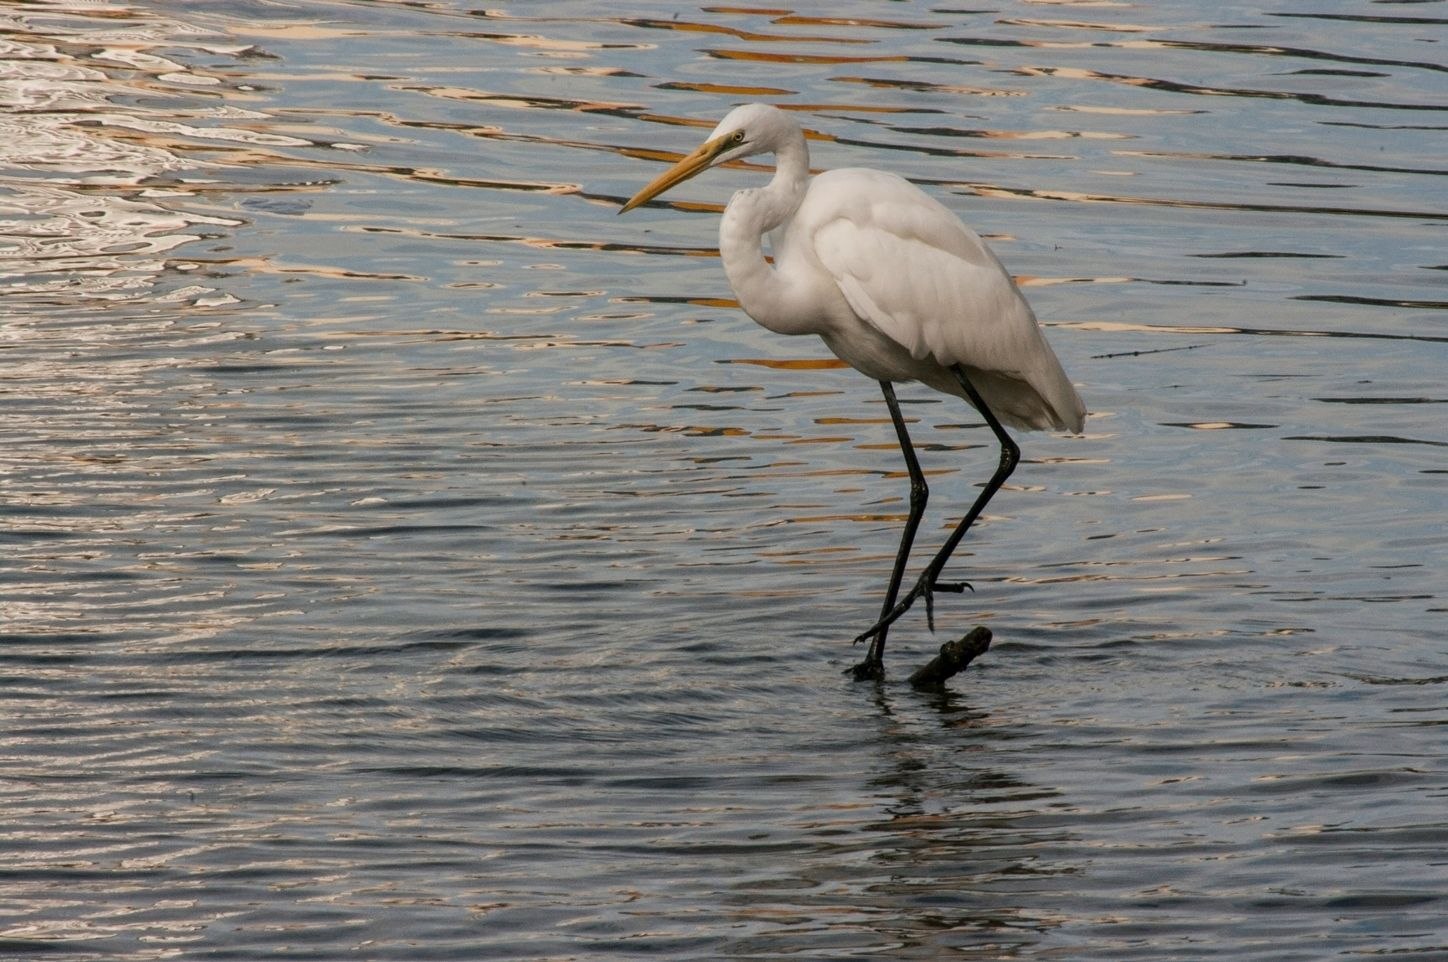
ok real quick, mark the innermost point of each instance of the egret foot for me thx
(924, 588)
(871, 669)
(928, 592)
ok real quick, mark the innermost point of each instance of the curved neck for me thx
(781, 197)
(751, 214)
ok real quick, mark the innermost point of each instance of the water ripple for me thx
(406, 557)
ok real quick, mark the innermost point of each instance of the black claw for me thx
(867, 670)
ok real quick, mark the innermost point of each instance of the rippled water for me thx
(406, 558)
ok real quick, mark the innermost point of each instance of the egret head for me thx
(746, 130)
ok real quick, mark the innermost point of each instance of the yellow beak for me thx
(698, 161)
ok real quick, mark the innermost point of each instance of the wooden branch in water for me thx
(953, 657)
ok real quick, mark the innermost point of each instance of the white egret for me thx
(898, 288)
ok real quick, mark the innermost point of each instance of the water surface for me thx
(404, 557)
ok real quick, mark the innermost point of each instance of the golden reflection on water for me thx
(99, 188)
(328, 351)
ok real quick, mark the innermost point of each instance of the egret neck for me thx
(764, 295)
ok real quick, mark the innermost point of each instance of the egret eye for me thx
(737, 138)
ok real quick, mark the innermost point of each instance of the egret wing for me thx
(908, 267)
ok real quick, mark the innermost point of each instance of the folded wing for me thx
(908, 267)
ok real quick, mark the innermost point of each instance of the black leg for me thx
(926, 586)
(874, 664)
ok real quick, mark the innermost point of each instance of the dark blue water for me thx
(404, 557)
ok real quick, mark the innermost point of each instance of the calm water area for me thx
(403, 557)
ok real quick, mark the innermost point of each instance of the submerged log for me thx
(953, 657)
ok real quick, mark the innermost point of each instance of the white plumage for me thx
(908, 267)
(897, 286)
